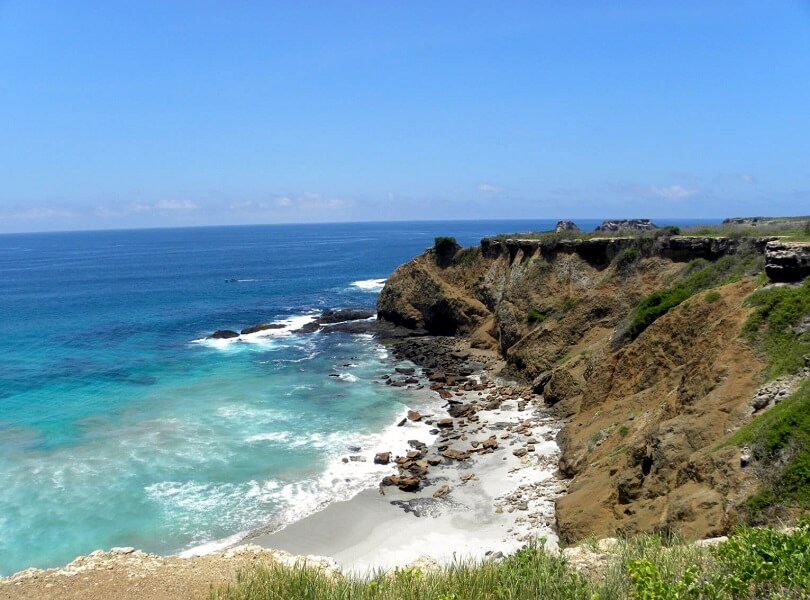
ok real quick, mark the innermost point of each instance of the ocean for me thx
(121, 425)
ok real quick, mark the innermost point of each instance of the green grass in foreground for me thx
(753, 563)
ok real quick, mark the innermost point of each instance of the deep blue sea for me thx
(120, 425)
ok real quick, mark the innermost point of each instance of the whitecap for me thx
(347, 377)
(275, 436)
(283, 328)
(369, 285)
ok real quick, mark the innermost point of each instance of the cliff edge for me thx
(636, 340)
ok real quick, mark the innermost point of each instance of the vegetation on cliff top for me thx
(753, 563)
(698, 275)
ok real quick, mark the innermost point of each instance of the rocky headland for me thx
(645, 411)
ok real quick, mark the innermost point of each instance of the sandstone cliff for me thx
(645, 415)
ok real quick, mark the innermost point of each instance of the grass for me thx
(752, 563)
(771, 328)
(712, 297)
(780, 441)
(698, 275)
(535, 316)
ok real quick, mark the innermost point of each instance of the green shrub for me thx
(535, 316)
(771, 327)
(568, 304)
(712, 297)
(699, 275)
(780, 441)
(444, 244)
(623, 431)
(627, 258)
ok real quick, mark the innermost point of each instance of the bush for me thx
(444, 244)
(780, 441)
(699, 275)
(772, 326)
(535, 316)
(712, 297)
(627, 258)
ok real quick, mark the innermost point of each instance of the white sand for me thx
(508, 503)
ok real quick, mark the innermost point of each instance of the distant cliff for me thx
(636, 340)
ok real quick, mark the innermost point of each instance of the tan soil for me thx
(124, 574)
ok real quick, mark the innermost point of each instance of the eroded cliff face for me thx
(644, 419)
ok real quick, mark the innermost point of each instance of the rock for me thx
(262, 327)
(382, 458)
(456, 454)
(787, 261)
(416, 297)
(345, 314)
(444, 423)
(223, 334)
(442, 491)
(566, 227)
(626, 225)
(520, 452)
(402, 422)
(356, 458)
(405, 370)
(414, 415)
(490, 443)
(408, 484)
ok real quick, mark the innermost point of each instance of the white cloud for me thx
(672, 192)
(181, 205)
(489, 188)
(746, 178)
(283, 201)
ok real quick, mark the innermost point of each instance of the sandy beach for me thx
(496, 498)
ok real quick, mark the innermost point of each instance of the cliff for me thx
(647, 405)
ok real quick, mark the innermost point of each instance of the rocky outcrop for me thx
(262, 327)
(345, 314)
(223, 334)
(644, 419)
(626, 225)
(417, 297)
(566, 227)
(787, 261)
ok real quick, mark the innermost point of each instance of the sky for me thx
(171, 113)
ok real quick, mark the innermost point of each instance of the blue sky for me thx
(146, 114)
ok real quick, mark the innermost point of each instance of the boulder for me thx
(442, 491)
(223, 334)
(414, 415)
(262, 327)
(382, 458)
(408, 484)
(345, 314)
(456, 454)
(787, 261)
(444, 423)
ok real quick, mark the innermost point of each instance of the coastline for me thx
(487, 504)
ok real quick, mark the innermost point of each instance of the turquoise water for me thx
(121, 426)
